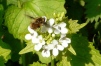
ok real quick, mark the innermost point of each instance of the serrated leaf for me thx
(17, 21)
(86, 54)
(93, 10)
(44, 7)
(43, 59)
(28, 48)
(74, 26)
(5, 50)
(37, 64)
(96, 56)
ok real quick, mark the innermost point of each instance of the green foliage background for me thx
(83, 22)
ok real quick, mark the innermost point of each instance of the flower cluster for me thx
(50, 37)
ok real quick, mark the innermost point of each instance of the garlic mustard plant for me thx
(51, 37)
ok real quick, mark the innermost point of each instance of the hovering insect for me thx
(37, 22)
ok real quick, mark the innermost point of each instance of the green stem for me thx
(52, 61)
(23, 56)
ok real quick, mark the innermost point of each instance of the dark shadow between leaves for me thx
(2, 61)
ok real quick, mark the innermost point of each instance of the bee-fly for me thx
(37, 22)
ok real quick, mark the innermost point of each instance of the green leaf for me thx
(44, 7)
(82, 53)
(63, 62)
(5, 50)
(74, 26)
(43, 59)
(15, 45)
(9, 2)
(36, 64)
(1, 13)
(17, 21)
(93, 10)
(28, 48)
(2, 61)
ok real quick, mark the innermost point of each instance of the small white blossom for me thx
(65, 42)
(60, 47)
(37, 47)
(60, 28)
(39, 42)
(31, 34)
(56, 48)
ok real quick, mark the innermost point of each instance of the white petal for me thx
(43, 42)
(56, 31)
(68, 40)
(28, 36)
(35, 40)
(54, 42)
(64, 44)
(51, 21)
(37, 47)
(62, 24)
(40, 37)
(65, 40)
(62, 36)
(50, 46)
(35, 34)
(60, 47)
(55, 52)
(64, 30)
(45, 53)
(30, 30)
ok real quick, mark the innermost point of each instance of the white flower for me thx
(31, 34)
(37, 47)
(65, 41)
(45, 53)
(39, 42)
(56, 48)
(60, 28)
